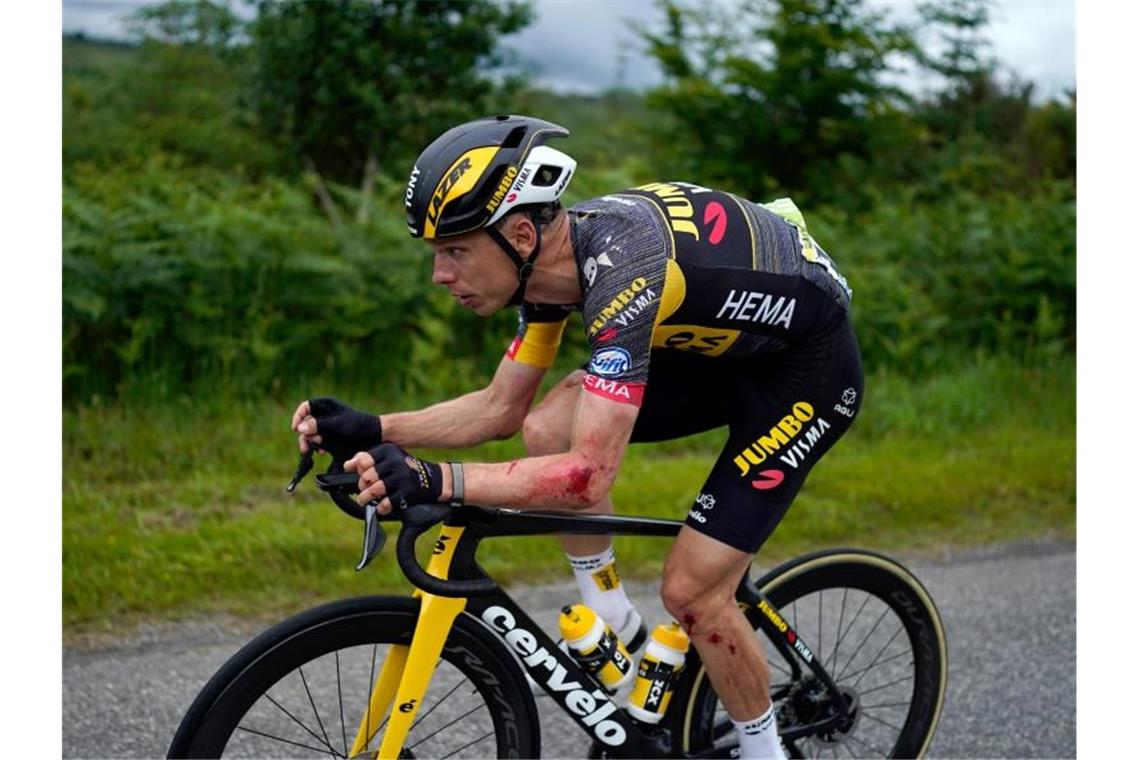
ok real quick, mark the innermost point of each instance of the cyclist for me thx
(701, 310)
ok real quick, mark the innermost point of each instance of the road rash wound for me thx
(715, 638)
(578, 480)
(688, 621)
(514, 464)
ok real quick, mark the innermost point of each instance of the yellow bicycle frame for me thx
(408, 669)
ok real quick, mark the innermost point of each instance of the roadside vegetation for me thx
(232, 246)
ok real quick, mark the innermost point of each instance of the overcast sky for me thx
(579, 45)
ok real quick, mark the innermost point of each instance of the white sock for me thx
(601, 588)
(759, 738)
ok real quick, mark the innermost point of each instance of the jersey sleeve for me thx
(539, 334)
(625, 272)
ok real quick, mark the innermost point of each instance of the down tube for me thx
(571, 688)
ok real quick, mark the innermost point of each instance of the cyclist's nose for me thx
(443, 270)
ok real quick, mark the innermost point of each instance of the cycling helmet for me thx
(472, 175)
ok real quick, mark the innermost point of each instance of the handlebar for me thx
(415, 521)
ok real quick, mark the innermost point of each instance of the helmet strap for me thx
(525, 267)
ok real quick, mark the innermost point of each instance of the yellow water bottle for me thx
(595, 646)
(657, 674)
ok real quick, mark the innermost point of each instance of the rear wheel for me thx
(302, 688)
(878, 635)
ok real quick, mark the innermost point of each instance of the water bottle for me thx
(657, 673)
(595, 646)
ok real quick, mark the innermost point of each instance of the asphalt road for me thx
(1009, 613)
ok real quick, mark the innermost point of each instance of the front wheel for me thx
(878, 635)
(302, 689)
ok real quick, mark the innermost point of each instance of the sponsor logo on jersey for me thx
(590, 268)
(628, 393)
(501, 191)
(768, 480)
(610, 362)
(801, 448)
(637, 296)
(590, 706)
(778, 437)
(718, 217)
(752, 306)
(677, 206)
(607, 335)
(703, 340)
(706, 501)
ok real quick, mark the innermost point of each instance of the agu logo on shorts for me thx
(610, 362)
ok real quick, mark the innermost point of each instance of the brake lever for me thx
(374, 535)
(303, 466)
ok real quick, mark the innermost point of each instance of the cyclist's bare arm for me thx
(573, 480)
(494, 412)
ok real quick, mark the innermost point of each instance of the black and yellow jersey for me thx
(679, 267)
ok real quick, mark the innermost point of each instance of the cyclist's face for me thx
(475, 271)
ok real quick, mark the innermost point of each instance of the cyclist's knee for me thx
(546, 428)
(692, 600)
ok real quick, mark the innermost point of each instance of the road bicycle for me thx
(854, 642)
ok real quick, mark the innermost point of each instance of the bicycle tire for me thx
(212, 727)
(849, 577)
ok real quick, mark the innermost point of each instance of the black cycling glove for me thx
(406, 484)
(343, 430)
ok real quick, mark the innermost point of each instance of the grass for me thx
(176, 510)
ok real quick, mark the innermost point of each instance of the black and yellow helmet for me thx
(473, 174)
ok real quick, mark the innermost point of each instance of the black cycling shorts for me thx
(783, 411)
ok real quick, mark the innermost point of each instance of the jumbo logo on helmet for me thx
(501, 191)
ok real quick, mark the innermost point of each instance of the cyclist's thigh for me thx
(789, 411)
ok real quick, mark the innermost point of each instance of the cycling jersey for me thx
(681, 267)
(707, 310)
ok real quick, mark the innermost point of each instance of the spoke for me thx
(433, 733)
(838, 628)
(309, 731)
(772, 662)
(847, 747)
(881, 663)
(865, 692)
(885, 704)
(879, 720)
(877, 752)
(340, 702)
(850, 625)
(318, 750)
(437, 704)
(368, 696)
(316, 715)
(875, 661)
(861, 643)
(819, 623)
(468, 744)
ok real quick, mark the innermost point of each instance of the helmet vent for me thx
(515, 137)
(546, 175)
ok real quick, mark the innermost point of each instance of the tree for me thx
(352, 87)
(767, 90)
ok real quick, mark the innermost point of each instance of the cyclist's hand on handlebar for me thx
(335, 427)
(391, 475)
